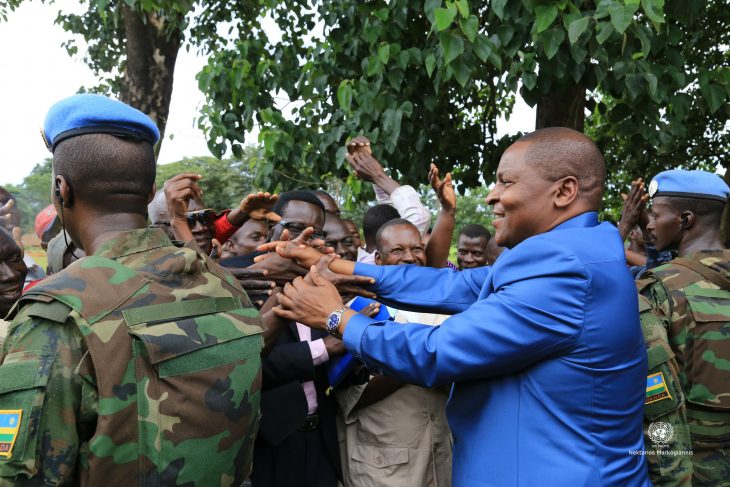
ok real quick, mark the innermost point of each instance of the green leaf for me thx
(544, 16)
(654, 9)
(482, 47)
(551, 41)
(461, 73)
(498, 8)
(621, 16)
(444, 17)
(344, 95)
(452, 45)
(395, 77)
(714, 95)
(463, 7)
(430, 64)
(652, 82)
(603, 31)
(529, 80)
(469, 27)
(384, 53)
(576, 28)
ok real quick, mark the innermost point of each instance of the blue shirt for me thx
(545, 352)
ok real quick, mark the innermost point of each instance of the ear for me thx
(62, 191)
(151, 196)
(566, 191)
(686, 219)
(378, 260)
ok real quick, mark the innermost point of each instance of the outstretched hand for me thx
(444, 188)
(309, 302)
(304, 250)
(346, 284)
(258, 206)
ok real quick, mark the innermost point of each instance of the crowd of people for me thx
(277, 344)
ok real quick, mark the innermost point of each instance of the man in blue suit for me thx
(545, 349)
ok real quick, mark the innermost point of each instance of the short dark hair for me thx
(475, 230)
(113, 173)
(376, 217)
(391, 223)
(296, 195)
(707, 210)
(558, 152)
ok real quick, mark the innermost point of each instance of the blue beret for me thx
(689, 184)
(96, 114)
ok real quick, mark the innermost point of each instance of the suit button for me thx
(379, 460)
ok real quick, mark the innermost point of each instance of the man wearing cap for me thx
(138, 364)
(691, 296)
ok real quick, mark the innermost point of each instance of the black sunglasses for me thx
(295, 229)
(205, 217)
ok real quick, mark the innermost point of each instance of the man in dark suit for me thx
(297, 442)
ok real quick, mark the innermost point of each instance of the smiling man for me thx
(544, 349)
(12, 276)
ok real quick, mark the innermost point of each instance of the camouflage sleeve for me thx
(39, 401)
(666, 432)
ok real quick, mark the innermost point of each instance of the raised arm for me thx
(437, 248)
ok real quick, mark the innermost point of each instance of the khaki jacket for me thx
(402, 440)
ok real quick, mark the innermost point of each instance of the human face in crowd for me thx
(298, 216)
(161, 220)
(400, 244)
(339, 238)
(521, 200)
(329, 204)
(493, 251)
(354, 232)
(471, 252)
(202, 231)
(248, 237)
(664, 224)
(12, 272)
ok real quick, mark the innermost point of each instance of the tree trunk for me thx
(563, 107)
(148, 73)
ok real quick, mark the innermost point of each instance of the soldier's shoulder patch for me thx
(9, 425)
(656, 388)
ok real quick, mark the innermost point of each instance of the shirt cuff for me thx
(368, 270)
(319, 352)
(222, 228)
(354, 331)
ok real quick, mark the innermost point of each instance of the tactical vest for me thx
(700, 296)
(176, 368)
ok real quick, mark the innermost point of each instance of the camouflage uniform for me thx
(138, 365)
(664, 405)
(694, 306)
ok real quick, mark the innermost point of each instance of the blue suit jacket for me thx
(546, 354)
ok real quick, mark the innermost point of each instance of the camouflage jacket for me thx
(138, 365)
(698, 320)
(664, 404)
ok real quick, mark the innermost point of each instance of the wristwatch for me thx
(334, 320)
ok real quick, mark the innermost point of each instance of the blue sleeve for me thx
(537, 310)
(444, 291)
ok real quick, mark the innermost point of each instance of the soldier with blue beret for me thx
(686, 322)
(139, 363)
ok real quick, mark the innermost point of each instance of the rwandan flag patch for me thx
(656, 388)
(9, 425)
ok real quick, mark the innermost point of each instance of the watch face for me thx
(333, 321)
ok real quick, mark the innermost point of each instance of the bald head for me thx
(558, 152)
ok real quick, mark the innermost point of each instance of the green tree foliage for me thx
(225, 182)
(33, 194)
(428, 80)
